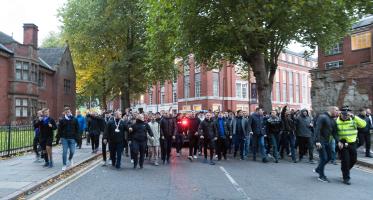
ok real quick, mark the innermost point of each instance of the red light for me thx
(184, 122)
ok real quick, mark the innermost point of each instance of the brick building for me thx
(32, 78)
(199, 89)
(345, 72)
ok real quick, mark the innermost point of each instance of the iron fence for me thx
(15, 139)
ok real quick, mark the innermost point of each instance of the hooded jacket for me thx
(303, 125)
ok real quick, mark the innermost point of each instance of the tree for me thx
(254, 32)
(107, 38)
(54, 39)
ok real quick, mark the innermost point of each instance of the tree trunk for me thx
(125, 99)
(256, 60)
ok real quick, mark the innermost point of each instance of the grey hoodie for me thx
(302, 125)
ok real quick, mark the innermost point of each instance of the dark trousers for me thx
(325, 154)
(95, 141)
(138, 147)
(36, 145)
(239, 143)
(193, 145)
(104, 147)
(179, 140)
(348, 158)
(221, 148)
(365, 138)
(79, 140)
(287, 138)
(275, 141)
(116, 150)
(166, 149)
(304, 145)
(208, 144)
(258, 142)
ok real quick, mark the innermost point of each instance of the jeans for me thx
(208, 144)
(166, 149)
(258, 140)
(246, 148)
(179, 140)
(138, 147)
(36, 145)
(288, 138)
(116, 150)
(333, 151)
(193, 145)
(95, 141)
(324, 156)
(365, 138)
(275, 140)
(239, 143)
(67, 144)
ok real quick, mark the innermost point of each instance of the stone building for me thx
(345, 72)
(32, 78)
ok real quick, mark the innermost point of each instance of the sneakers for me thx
(104, 163)
(190, 158)
(316, 171)
(212, 162)
(132, 161)
(324, 179)
(64, 168)
(195, 157)
(156, 164)
(264, 160)
(346, 181)
(71, 163)
(50, 164)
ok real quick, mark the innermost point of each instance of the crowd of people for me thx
(212, 136)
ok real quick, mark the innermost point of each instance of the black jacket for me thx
(288, 124)
(45, 130)
(207, 128)
(68, 129)
(96, 125)
(325, 128)
(193, 125)
(140, 131)
(114, 137)
(303, 125)
(168, 127)
(367, 127)
(273, 125)
(182, 128)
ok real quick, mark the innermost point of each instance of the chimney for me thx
(30, 35)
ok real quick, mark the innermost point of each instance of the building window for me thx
(197, 85)
(361, 41)
(291, 87)
(336, 49)
(34, 74)
(334, 64)
(277, 85)
(215, 84)
(284, 88)
(162, 97)
(297, 88)
(67, 86)
(21, 107)
(254, 92)
(186, 86)
(150, 93)
(42, 105)
(174, 94)
(283, 56)
(238, 90)
(41, 81)
(304, 88)
(34, 107)
(243, 107)
(22, 71)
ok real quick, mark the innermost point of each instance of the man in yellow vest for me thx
(347, 125)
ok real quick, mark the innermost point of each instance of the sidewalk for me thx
(21, 173)
(362, 160)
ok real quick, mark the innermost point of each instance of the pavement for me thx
(21, 173)
(232, 179)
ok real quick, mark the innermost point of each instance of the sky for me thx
(43, 13)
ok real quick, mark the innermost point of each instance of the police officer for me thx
(347, 125)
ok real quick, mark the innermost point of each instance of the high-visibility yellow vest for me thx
(348, 129)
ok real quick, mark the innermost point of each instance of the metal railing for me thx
(15, 139)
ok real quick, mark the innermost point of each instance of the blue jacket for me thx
(81, 122)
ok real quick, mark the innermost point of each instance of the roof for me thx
(6, 39)
(299, 54)
(45, 65)
(51, 56)
(3, 48)
(366, 21)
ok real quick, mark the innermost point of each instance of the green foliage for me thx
(54, 39)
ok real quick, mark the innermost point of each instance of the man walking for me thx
(347, 125)
(96, 127)
(47, 127)
(193, 136)
(153, 145)
(303, 125)
(140, 131)
(36, 141)
(325, 128)
(115, 135)
(256, 124)
(82, 127)
(68, 131)
(273, 127)
(168, 129)
(209, 136)
(240, 133)
(223, 136)
(364, 133)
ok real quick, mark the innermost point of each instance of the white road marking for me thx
(45, 194)
(234, 183)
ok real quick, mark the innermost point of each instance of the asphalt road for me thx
(232, 179)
